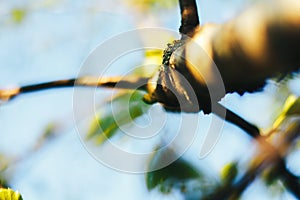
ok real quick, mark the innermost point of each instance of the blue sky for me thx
(52, 42)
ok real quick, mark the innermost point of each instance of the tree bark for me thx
(189, 17)
(261, 43)
(238, 56)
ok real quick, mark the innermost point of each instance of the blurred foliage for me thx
(277, 190)
(127, 107)
(9, 194)
(285, 132)
(48, 134)
(18, 15)
(4, 163)
(298, 144)
(152, 61)
(290, 108)
(152, 4)
(269, 176)
(3, 181)
(179, 175)
(229, 173)
(270, 179)
(179, 171)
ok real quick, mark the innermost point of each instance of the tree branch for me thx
(268, 155)
(235, 119)
(189, 17)
(110, 82)
(261, 43)
(291, 182)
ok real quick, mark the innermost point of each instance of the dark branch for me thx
(274, 158)
(135, 83)
(189, 17)
(291, 182)
(234, 191)
(233, 118)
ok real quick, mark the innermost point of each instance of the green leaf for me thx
(291, 107)
(229, 172)
(294, 109)
(270, 179)
(18, 15)
(177, 174)
(127, 106)
(152, 61)
(270, 176)
(9, 194)
(102, 128)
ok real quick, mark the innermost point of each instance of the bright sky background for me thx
(51, 43)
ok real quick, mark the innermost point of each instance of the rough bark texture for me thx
(238, 56)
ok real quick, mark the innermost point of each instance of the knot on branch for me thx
(170, 49)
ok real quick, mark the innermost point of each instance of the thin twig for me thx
(189, 17)
(235, 119)
(267, 157)
(229, 191)
(291, 182)
(136, 83)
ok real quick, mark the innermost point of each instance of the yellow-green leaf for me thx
(294, 109)
(9, 194)
(102, 128)
(229, 172)
(150, 4)
(18, 15)
(152, 61)
(291, 107)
